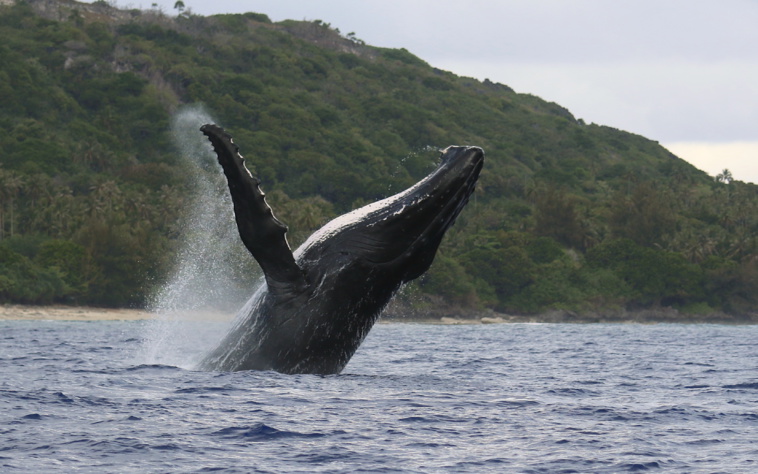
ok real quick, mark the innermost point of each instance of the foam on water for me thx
(213, 271)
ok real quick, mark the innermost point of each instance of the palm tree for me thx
(724, 177)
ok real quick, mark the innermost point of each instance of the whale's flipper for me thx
(262, 233)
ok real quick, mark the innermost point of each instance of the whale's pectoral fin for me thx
(262, 233)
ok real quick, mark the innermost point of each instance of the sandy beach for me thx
(82, 313)
(71, 313)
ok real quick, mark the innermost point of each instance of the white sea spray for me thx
(213, 273)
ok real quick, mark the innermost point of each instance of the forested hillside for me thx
(567, 215)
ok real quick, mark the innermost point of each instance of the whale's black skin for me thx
(317, 305)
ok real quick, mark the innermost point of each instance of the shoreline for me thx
(70, 313)
(662, 316)
(87, 313)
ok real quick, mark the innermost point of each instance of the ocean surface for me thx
(94, 397)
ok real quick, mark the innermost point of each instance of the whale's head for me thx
(395, 239)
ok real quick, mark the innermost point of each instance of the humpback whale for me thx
(316, 305)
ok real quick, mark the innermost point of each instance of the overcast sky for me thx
(682, 72)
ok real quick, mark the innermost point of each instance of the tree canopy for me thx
(567, 215)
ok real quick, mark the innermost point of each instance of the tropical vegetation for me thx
(567, 215)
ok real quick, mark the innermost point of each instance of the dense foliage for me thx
(567, 215)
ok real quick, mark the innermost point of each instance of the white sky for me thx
(682, 72)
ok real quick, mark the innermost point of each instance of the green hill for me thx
(567, 215)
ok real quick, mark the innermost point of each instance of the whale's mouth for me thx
(404, 231)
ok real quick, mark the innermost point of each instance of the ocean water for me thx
(80, 396)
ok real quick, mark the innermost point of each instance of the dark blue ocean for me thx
(80, 396)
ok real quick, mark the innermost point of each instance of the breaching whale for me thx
(317, 304)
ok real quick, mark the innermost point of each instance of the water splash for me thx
(213, 274)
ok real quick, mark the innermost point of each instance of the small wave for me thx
(633, 467)
(151, 367)
(62, 397)
(429, 445)
(515, 403)
(205, 389)
(704, 442)
(606, 414)
(573, 392)
(477, 465)
(92, 371)
(435, 419)
(671, 410)
(590, 382)
(261, 432)
(45, 396)
(751, 385)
